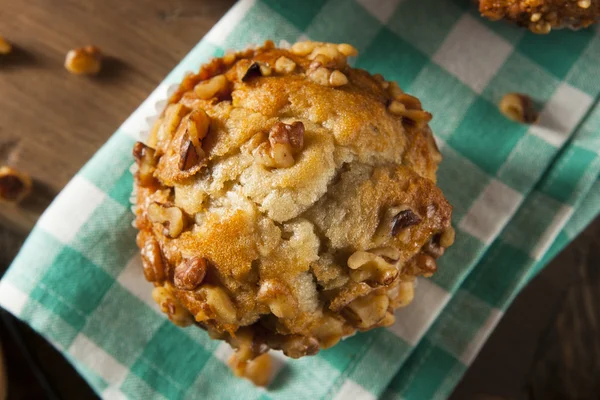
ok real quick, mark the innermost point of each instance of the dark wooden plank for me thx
(52, 122)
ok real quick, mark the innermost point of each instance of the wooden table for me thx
(52, 122)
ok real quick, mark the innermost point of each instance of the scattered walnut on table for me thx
(518, 107)
(14, 185)
(84, 60)
(5, 47)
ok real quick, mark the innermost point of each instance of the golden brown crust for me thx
(286, 199)
(540, 16)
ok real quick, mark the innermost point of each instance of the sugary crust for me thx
(540, 16)
(286, 200)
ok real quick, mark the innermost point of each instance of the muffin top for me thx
(286, 199)
(541, 16)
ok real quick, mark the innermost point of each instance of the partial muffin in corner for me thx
(286, 200)
(541, 16)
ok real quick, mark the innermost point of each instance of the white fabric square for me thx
(413, 320)
(561, 114)
(490, 211)
(219, 33)
(132, 279)
(97, 360)
(380, 9)
(11, 298)
(352, 390)
(473, 53)
(113, 393)
(223, 352)
(71, 209)
(480, 337)
(547, 238)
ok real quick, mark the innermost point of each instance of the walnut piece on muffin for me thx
(541, 16)
(286, 200)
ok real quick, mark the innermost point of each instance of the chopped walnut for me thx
(367, 311)
(14, 185)
(146, 161)
(409, 107)
(519, 108)
(371, 268)
(285, 140)
(279, 299)
(256, 69)
(219, 303)
(300, 346)
(171, 218)
(394, 221)
(169, 304)
(214, 87)
(258, 370)
(191, 153)
(303, 48)
(164, 129)
(347, 50)
(152, 260)
(284, 65)
(84, 61)
(190, 273)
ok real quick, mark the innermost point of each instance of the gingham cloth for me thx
(520, 194)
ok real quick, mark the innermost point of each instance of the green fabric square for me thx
(109, 227)
(291, 382)
(455, 171)
(564, 181)
(528, 160)
(110, 162)
(181, 360)
(448, 111)
(344, 353)
(358, 29)
(519, 74)
(509, 31)
(587, 135)
(272, 26)
(59, 289)
(426, 357)
(136, 388)
(485, 136)
(461, 320)
(28, 266)
(531, 221)
(496, 276)
(299, 13)
(377, 366)
(557, 53)
(121, 190)
(454, 264)
(415, 22)
(216, 381)
(49, 324)
(584, 74)
(122, 312)
(392, 57)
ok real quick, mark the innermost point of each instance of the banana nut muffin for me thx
(286, 200)
(541, 16)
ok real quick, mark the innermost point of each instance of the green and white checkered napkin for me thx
(520, 194)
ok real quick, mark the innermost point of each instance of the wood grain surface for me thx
(52, 122)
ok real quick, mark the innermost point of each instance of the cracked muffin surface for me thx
(286, 200)
(541, 16)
